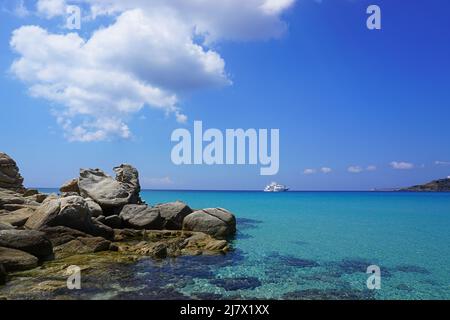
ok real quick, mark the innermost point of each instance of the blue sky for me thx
(343, 97)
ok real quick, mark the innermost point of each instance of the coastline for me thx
(293, 246)
(93, 221)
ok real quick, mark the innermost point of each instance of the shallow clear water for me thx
(312, 245)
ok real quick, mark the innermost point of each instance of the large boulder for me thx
(62, 235)
(70, 186)
(99, 229)
(114, 222)
(111, 194)
(17, 218)
(141, 217)
(32, 242)
(173, 214)
(72, 212)
(10, 177)
(94, 208)
(216, 222)
(16, 260)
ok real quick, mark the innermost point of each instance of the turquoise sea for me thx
(309, 245)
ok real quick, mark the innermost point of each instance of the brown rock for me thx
(6, 226)
(62, 235)
(30, 192)
(16, 260)
(70, 186)
(32, 242)
(82, 246)
(17, 218)
(10, 177)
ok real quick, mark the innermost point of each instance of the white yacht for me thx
(275, 187)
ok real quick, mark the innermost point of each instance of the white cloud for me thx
(309, 171)
(371, 168)
(326, 170)
(214, 20)
(355, 169)
(21, 10)
(401, 165)
(148, 56)
(17, 8)
(51, 8)
(276, 6)
(442, 163)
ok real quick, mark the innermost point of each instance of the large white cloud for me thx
(147, 56)
(213, 19)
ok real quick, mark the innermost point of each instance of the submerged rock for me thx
(158, 250)
(16, 260)
(178, 243)
(241, 283)
(32, 242)
(218, 223)
(329, 294)
(412, 269)
(291, 261)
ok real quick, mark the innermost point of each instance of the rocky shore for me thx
(97, 219)
(441, 185)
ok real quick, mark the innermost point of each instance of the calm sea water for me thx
(314, 245)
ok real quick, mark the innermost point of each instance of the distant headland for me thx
(441, 185)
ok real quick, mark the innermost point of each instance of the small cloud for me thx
(326, 170)
(18, 9)
(21, 10)
(309, 171)
(181, 118)
(442, 163)
(51, 8)
(355, 169)
(402, 165)
(371, 168)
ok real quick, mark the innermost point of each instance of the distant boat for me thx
(275, 187)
